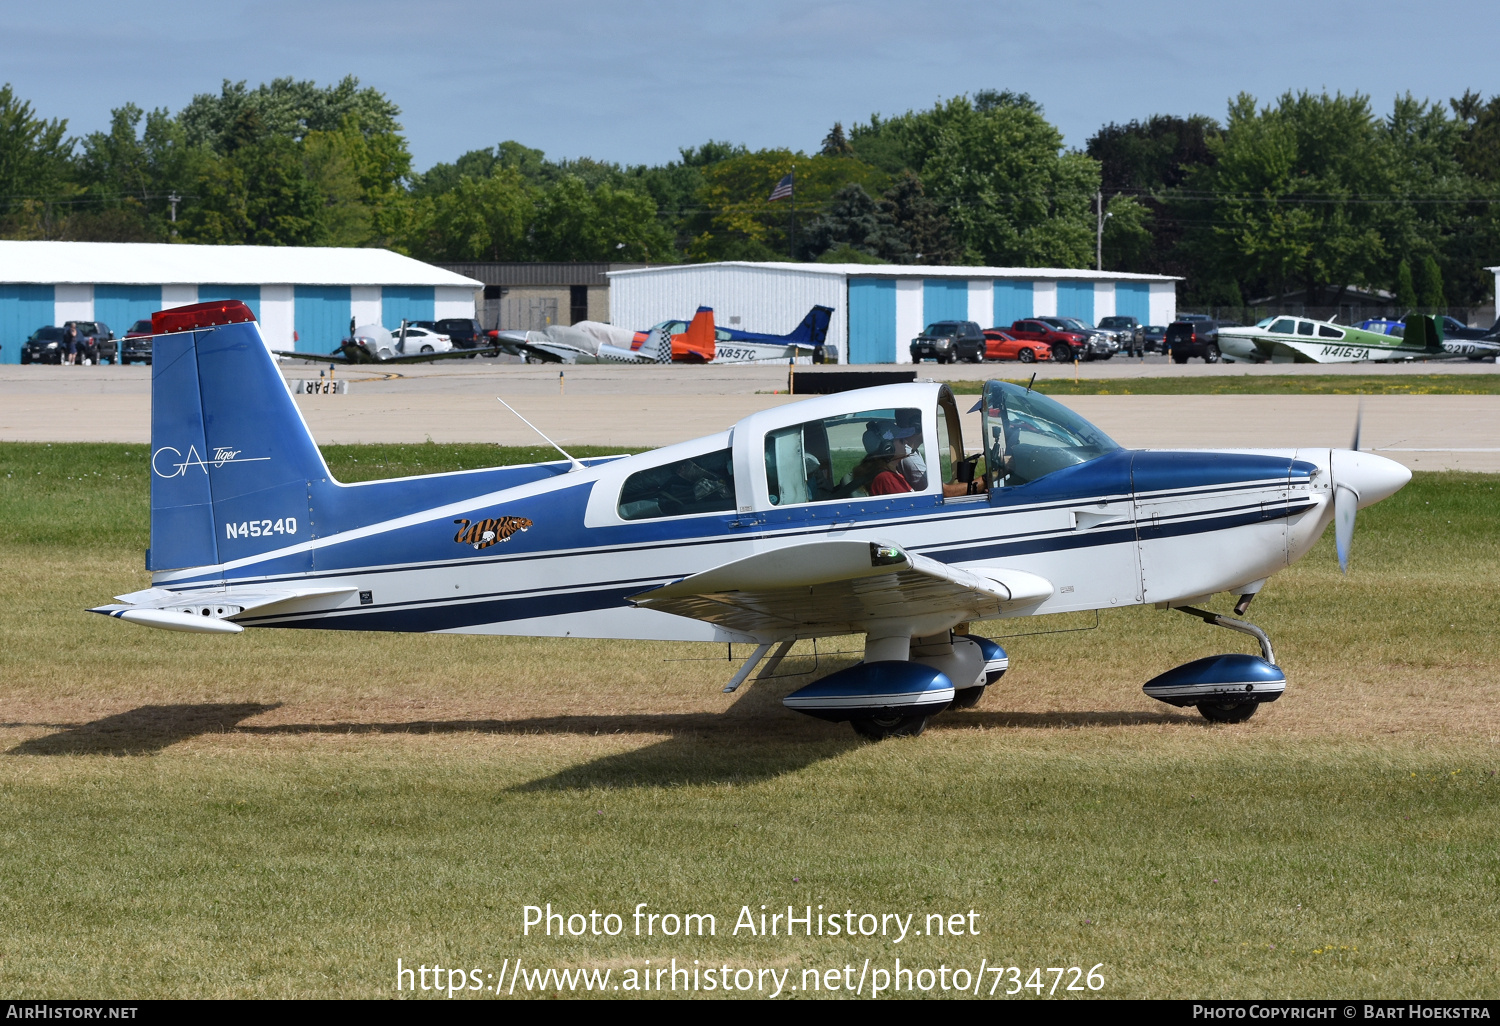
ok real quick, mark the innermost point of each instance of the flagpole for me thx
(794, 212)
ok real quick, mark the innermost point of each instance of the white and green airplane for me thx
(1288, 339)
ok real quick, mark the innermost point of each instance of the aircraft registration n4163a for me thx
(855, 513)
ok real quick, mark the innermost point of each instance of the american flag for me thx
(783, 188)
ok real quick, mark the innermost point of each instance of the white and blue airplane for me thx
(854, 513)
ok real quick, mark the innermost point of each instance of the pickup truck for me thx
(1066, 345)
(1130, 332)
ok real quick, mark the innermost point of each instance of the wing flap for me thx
(835, 586)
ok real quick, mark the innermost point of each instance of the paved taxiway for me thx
(649, 406)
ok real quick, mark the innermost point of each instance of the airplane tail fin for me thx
(697, 343)
(1424, 329)
(814, 327)
(233, 465)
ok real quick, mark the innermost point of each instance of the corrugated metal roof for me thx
(151, 263)
(506, 274)
(912, 271)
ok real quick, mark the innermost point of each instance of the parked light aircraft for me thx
(1289, 339)
(697, 341)
(855, 513)
(1476, 344)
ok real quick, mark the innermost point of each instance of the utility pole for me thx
(794, 212)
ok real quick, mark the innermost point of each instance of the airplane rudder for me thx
(182, 527)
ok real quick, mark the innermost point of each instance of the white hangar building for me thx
(303, 296)
(879, 308)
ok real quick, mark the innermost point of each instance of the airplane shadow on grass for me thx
(754, 739)
(142, 731)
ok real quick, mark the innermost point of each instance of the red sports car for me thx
(1000, 345)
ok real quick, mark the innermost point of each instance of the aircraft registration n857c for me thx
(855, 513)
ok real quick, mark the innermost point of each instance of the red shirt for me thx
(888, 482)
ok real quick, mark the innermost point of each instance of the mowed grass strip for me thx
(1261, 384)
(286, 813)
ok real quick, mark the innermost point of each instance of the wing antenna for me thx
(512, 409)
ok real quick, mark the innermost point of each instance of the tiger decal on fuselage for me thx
(485, 533)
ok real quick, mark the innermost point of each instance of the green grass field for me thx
(286, 813)
(1262, 384)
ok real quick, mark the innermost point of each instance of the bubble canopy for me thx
(1028, 436)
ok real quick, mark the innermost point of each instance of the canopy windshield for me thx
(1027, 435)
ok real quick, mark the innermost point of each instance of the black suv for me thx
(136, 346)
(465, 333)
(949, 342)
(1130, 332)
(1192, 335)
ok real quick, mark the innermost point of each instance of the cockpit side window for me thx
(1028, 435)
(698, 484)
(1304, 327)
(1285, 326)
(873, 452)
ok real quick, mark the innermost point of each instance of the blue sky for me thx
(634, 81)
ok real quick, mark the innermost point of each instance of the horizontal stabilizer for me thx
(209, 612)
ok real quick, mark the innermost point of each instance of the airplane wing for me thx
(840, 586)
(207, 612)
(552, 350)
(341, 356)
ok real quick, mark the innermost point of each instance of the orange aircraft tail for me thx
(696, 345)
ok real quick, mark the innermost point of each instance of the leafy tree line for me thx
(1313, 192)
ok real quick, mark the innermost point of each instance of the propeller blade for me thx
(1359, 418)
(1345, 506)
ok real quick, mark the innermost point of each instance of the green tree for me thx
(482, 219)
(1129, 244)
(1430, 285)
(606, 223)
(1147, 162)
(1014, 196)
(926, 234)
(1406, 290)
(258, 194)
(835, 143)
(35, 168)
(289, 108)
(1288, 191)
(360, 178)
(736, 216)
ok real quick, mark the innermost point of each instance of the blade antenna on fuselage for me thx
(512, 409)
(1031, 382)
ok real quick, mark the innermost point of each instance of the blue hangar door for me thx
(321, 318)
(1133, 299)
(413, 303)
(944, 299)
(872, 320)
(1076, 299)
(120, 306)
(23, 309)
